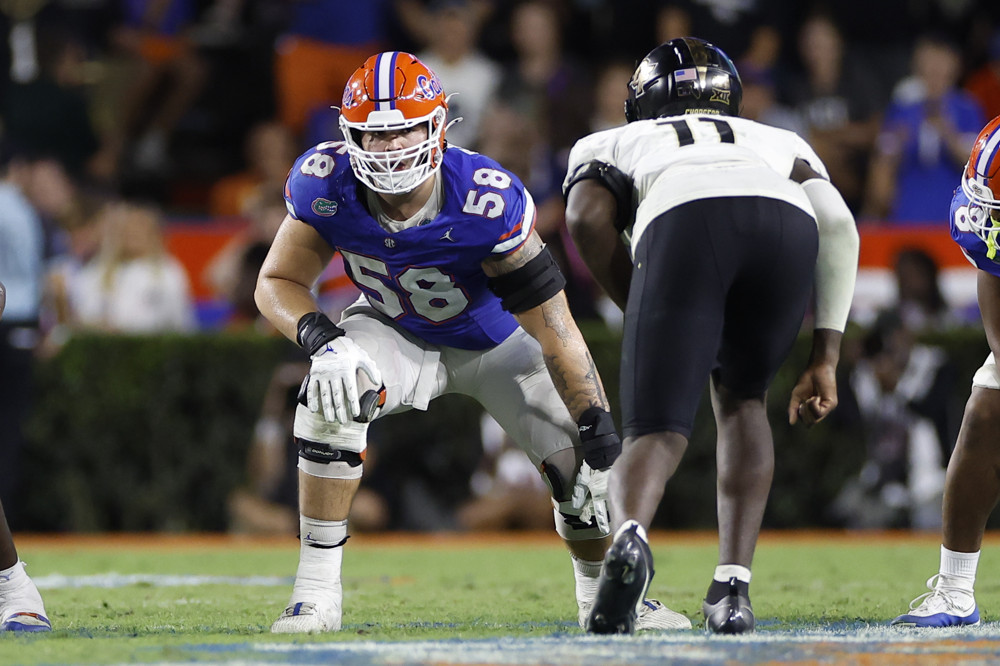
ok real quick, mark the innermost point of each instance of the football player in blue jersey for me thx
(727, 222)
(459, 296)
(972, 484)
(21, 607)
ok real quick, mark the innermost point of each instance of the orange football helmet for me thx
(394, 91)
(981, 180)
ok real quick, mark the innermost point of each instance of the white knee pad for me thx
(570, 524)
(571, 528)
(329, 450)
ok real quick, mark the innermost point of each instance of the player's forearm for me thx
(284, 302)
(566, 355)
(825, 347)
(837, 263)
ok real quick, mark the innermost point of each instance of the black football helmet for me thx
(684, 75)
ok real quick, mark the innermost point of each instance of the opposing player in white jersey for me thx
(460, 296)
(21, 607)
(726, 222)
(972, 486)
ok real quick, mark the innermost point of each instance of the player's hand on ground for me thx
(814, 396)
(333, 385)
(590, 495)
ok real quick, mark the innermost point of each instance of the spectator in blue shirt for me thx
(924, 141)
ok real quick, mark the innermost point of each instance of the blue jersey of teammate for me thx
(428, 277)
(984, 254)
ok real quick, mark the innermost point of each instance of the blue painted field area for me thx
(862, 644)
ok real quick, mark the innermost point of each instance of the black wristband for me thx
(315, 330)
(600, 441)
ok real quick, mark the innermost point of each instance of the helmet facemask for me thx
(395, 171)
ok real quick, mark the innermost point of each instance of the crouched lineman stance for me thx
(21, 607)
(720, 215)
(441, 242)
(972, 486)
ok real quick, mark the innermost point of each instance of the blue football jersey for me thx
(984, 255)
(428, 277)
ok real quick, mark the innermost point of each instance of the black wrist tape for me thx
(315, 330)
(600, 441)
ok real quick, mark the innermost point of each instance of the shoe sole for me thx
(26, 622)
(916, 624)
(614, 610)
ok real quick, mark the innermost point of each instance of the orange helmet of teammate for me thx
(394, 91)
(981, 180)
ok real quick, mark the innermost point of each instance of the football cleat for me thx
(944, 606)
(26, 621)
(625, 576)
(731, 614)
(307, 618)
(651, 615)
(21, 609)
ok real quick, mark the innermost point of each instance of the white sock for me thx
(13, 577)
(321, 555)
(724, 572)
(959, 568)
(587, 575)
(18, 591)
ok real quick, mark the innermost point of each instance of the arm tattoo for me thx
(573, 372)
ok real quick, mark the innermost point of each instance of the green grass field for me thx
(477, 591)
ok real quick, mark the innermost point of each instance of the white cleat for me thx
(654, 616)
(651, 615)
(22, 610)
(307, 618)
(944, 606)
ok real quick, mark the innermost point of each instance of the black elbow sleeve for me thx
(529, 285)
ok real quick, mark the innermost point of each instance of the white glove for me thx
(590, 495)
(333, 379)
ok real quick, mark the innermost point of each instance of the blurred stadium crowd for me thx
(128, 125)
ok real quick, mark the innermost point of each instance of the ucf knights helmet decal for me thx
(684, 75)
